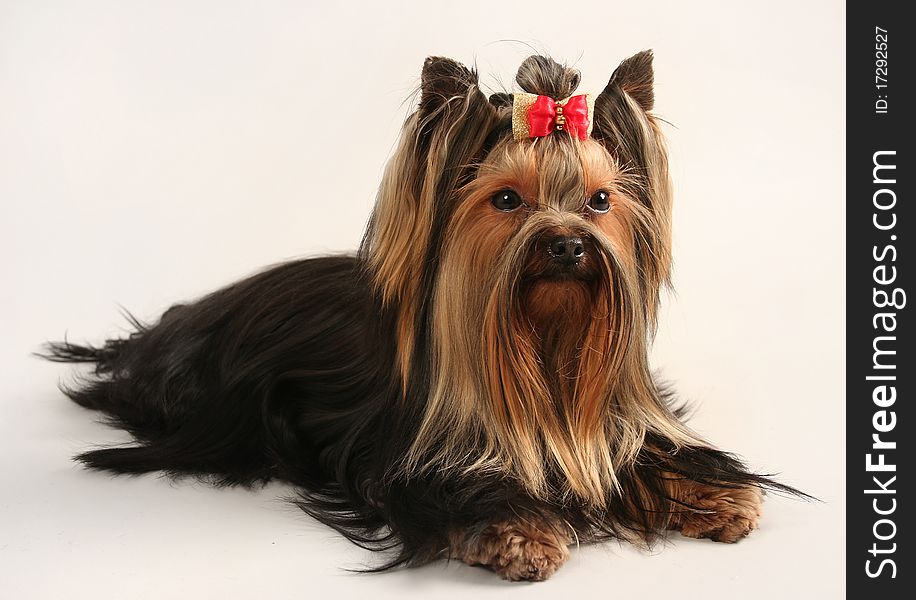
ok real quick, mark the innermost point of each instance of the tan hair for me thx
(559, 407)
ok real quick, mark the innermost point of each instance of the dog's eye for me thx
(600, 202)
(506, 200)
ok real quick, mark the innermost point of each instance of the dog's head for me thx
(526, 271)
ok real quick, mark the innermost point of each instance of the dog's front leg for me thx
(722, 514)
(517, 550)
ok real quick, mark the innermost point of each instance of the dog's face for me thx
(551, 223)
(524, 275)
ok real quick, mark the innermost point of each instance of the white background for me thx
(152, 151)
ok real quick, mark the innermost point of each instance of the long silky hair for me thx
(434, 383)
(505, 399)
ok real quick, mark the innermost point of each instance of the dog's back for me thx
(226, 387)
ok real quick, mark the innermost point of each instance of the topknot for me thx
(544, 76)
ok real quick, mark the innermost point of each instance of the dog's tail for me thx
(116, 386)
(104, 357)
(98, 394)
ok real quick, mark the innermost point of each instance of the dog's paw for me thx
(517, 551)
(723, 515)
(523, 558)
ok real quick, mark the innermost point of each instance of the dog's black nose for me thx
(566, 249)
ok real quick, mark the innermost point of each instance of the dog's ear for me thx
(441, 80)
(621, 109)
(636, 78)
(624, 125)
(441, 144)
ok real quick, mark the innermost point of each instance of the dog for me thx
(474, 383)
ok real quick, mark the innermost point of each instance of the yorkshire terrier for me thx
(474, 383)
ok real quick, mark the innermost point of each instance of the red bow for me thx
(541, 115)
